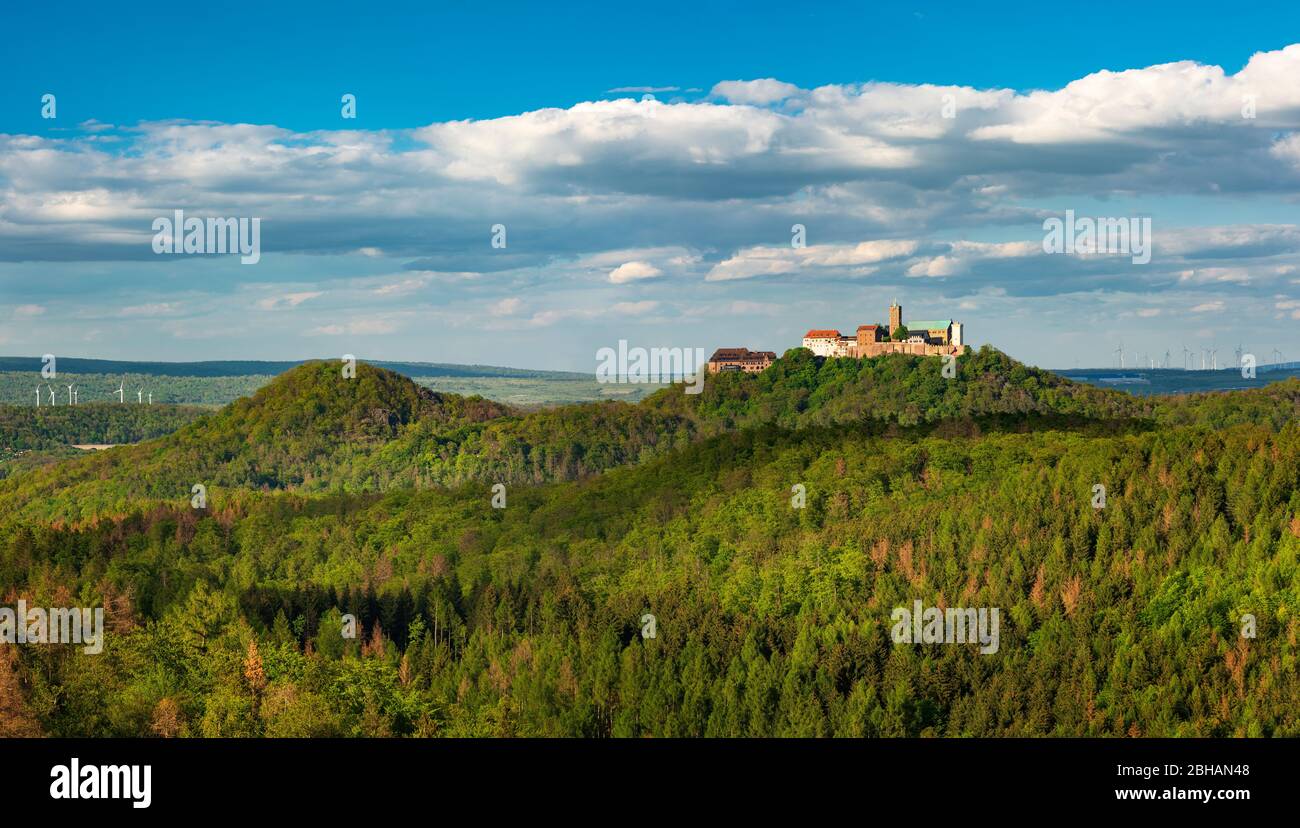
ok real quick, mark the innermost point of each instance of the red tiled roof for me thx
(821, 334)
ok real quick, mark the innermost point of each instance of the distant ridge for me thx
(1166, 381)
(244, 368)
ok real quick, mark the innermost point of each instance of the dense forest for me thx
(769, 525)
(28, 427)
(31, 437)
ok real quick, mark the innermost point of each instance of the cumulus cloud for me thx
(633, 271)
(920, 186)
(882, 155)
(756, 92)
(767, 261)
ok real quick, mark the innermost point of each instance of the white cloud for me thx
(634, 308)
(287, 300)
(370, 326)
(633, 271)
(402, 287)
(1182, 96)
(506, 307)
(757, 92)
(647, 90)
(152, 309)
(768, 261)
(627, 191)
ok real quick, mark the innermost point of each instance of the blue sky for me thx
(284, 63)
(663, 222)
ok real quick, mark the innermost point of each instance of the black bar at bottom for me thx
(665, 778)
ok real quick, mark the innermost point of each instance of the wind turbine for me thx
(151, 398)
(38, 396)
(139, 396)
(1186, 354)
(69, 395)
(1166, 365)
(1214, 359)
(120, 385)
(1120, 351)
(75, 389)
(50, 388)
(1277, 356)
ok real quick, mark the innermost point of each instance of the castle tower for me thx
(895, 317)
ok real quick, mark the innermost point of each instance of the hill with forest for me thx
(314, 429)
(769, 525)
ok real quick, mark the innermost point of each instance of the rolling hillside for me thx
(769, 525)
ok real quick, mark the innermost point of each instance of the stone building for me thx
(927, 337)
(740, 359)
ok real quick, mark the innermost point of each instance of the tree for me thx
(167, 719)
(254, 673)
(16, 719)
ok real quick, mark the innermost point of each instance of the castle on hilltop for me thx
(921, 338)
(924, 338)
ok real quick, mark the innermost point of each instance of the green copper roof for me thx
(930, 325)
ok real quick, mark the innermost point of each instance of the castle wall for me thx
(873, 349)
(872, 340)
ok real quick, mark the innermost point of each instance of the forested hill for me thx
(292, 433)
(313, 429)
(803, 389)
(329, 495)
(771, 620)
